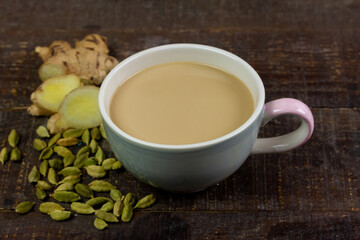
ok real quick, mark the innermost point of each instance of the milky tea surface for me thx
(181, 103)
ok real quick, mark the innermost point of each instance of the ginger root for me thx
(79, 109)
(89, 59)
(49, 95)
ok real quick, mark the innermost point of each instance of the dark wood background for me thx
(309, 50)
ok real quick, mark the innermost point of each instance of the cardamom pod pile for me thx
(60, 178)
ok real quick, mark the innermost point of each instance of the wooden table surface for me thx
(309, 50)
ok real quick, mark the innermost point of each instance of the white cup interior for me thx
(181, 53)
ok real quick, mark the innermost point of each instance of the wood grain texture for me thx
(193, 225)
(307, 50)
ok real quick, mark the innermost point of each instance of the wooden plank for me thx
(189, 225)
(167, 14)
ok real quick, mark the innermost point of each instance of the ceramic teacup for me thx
(193, 167)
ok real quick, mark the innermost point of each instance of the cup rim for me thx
(193, 146)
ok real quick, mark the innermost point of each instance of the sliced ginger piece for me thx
(79, 109)
(49, 95)
(51, 70)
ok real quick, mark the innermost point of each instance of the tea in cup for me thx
(182, 117)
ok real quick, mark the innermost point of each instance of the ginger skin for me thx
(89, 60)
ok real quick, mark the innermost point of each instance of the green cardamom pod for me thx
(69, 141)
(101, 186)
(85, 149)
(42, 131)
(66, 196)
(65, 187)
(145, 201)
(95, 133)
(95, 171)
(81, 208)
(127, 213)
(62, 151)
(100, 224)
(74, 133)
(116, 165)
(107, 163)
(86, 137)
(80, 160)
(44, 167)
(93, 145)
(48, 207)
(39, 144)
(70, 171)
(13, 138)
(24, 207)
(52, 176)
(90, 161)
(99, 155)
(34, 175)
(102, 131)
(106, 216)
(60, 215)
(115, 194)
(56, 163)
(54, 139)
(129, 199)
(43, 185)
(118, 208)
(40, 194)
(4, 155)
(84, 190)
(68, 160)
(97, 201)
(107, 206)
(15, 154)
(46, 153)
(73, 179)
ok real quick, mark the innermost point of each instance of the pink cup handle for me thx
(291, 140)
